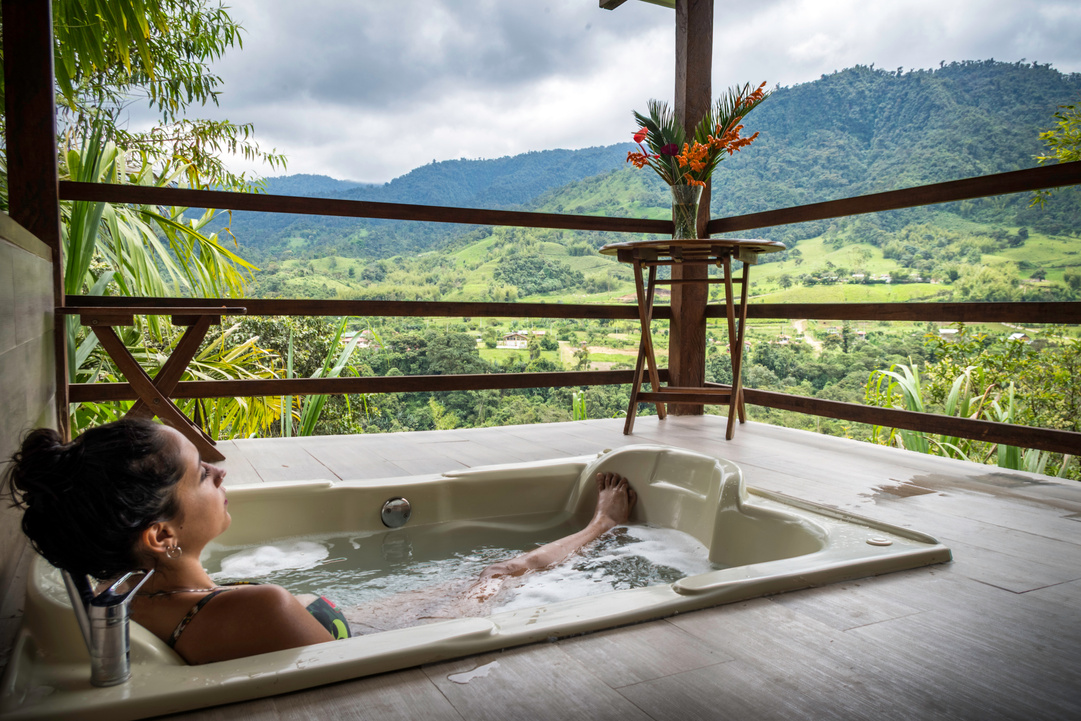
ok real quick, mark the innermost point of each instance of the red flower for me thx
(670, 149)
(640, 135)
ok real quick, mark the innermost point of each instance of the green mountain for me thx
(509, 182)
(857, 131)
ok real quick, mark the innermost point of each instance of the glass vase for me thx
(685, 199)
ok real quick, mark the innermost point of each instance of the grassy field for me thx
(470, 277)
(854, 293)
(1054, 254)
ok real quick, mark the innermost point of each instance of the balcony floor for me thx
(994, 634)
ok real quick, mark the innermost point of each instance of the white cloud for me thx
(370, 90)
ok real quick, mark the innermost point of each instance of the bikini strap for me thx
(191, 614)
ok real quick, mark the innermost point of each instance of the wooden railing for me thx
(1018, 181)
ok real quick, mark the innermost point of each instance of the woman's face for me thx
(203, 506)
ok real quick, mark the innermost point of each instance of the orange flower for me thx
(694, 156)
(640, 160)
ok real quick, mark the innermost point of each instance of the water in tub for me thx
(406, 577)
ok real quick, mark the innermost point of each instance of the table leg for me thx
(737, 375)
(734, 345)
(173, 370)
(632, 407)
(161, 406)
(646, 360)
(654, 377)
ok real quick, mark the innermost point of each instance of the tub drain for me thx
(879, 541)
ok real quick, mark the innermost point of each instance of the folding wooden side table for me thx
(154, 393)
(645, 257)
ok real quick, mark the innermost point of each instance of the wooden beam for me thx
(370, 308)
(82, 392)
(1017, 181)
(1049, 312)
(1044, 439)
(693, 97)
(976, 312)
(33, 175)
(259, 202)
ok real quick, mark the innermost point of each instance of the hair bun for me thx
(39, 466)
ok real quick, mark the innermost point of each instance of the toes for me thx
(611, 481)
(632, 496)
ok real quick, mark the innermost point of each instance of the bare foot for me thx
(615, 500)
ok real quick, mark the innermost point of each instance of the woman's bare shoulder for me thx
(248, 620)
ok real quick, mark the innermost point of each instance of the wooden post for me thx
(687, 339)
(33, 176)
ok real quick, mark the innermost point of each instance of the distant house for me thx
(949, 333)
(1021, 337)
(517, 339)
(367, 339)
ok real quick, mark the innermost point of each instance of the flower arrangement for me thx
(679, 162)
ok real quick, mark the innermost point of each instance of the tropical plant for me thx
(578, 402)
(900, 387)
(152, 251)
(110, 54)
(716, 135)
(310, 408)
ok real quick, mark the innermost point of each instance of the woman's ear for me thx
(157, 538)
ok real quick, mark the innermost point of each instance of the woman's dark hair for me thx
(86, 502)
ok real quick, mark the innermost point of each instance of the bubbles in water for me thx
(265, 560)
(627, 557)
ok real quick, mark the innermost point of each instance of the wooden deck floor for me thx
(995, 634)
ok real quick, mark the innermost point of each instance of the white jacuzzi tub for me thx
(767, 543)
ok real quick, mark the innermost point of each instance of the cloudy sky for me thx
(367, 90)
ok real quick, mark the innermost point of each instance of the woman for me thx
(135, 495)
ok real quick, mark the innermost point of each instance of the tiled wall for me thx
(27, 389)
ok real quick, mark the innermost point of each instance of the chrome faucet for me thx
(103, 620)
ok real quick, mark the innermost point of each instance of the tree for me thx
(534, 347)
(1063, 142)
(110, 54)
(581, 359)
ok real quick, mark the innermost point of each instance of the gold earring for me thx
(174, 552)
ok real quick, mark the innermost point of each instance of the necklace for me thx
(152, 594)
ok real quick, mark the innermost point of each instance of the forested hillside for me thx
(501, 183)
(856, 131)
